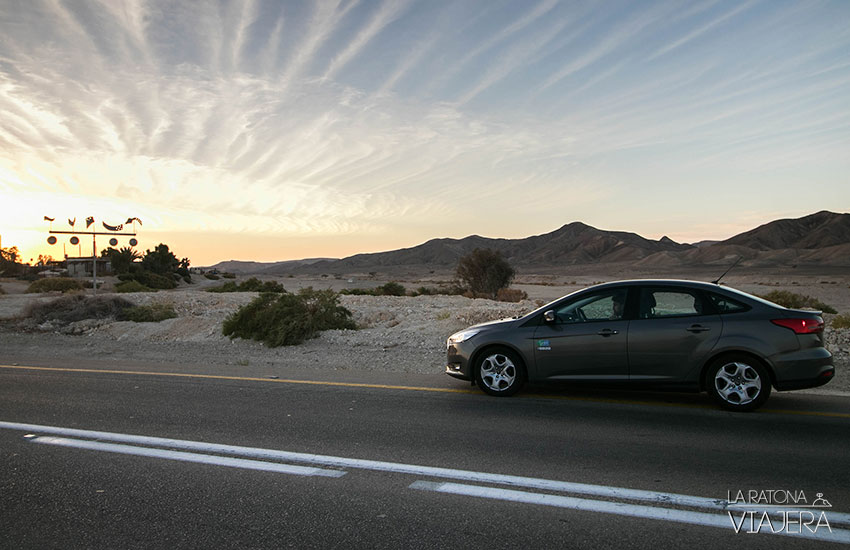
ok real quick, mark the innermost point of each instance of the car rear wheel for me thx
(738, 383)
(499, 371)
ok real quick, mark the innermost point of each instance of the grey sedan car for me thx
(685, 335)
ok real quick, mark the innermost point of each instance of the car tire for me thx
(499, 372)
(738, 383)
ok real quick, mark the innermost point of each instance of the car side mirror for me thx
(549, 316)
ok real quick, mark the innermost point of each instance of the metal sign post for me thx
(93, 233)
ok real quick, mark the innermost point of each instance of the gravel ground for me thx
(399, 334)
(402, 334)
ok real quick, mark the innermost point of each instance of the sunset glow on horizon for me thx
(276, 130)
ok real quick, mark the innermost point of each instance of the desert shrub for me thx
(391, 289)
(427, 291)
(251, 285)
(153, 313)
(511, 295)
(77, 307)
(212, 276)
(288, 319)
(840, 321)
(229, 286)
(149, 279)
(358, 292)
(454, 290)
(61, 284)
(797, 301)
(484, 271)
(132, 286)
(228, 275)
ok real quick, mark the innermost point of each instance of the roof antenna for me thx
(717, 281)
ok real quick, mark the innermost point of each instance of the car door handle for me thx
(607, 332)
(697, 328)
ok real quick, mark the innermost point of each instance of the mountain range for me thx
(821, 239)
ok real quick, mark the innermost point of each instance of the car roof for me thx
(659, 282)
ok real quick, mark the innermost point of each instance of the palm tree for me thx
(122, 259)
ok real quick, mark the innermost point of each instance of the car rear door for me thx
(675, 330)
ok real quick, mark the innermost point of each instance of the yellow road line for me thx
(243, 378)
(407, 388)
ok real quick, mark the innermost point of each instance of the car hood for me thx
(495, 324)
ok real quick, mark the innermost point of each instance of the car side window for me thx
(659, 303)
(726, 305)
(604, 306)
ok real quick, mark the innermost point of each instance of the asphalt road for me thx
(398, 462)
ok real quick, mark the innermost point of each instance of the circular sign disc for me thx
(113, 241)
(75, 240)
(51, 240)
(133, 242)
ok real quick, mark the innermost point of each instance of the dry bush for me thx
(153, 313)
(288, 319)
(840, 321)
(60, 284)
(132, 286)
(251, 285)
(390, 289)
(70, 309)
(511, 295)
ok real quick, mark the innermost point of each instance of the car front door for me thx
(585, 340)
(674, 332)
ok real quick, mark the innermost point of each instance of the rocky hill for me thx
(572, 244)
(821, 239)
(821, 230)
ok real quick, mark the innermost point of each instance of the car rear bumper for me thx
(808, 368)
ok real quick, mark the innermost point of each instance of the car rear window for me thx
(724, 304)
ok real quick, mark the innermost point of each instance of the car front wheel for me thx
(738, 383)
(499, 371)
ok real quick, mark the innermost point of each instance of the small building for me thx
(82, 267)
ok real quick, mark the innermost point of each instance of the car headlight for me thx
(462, 336)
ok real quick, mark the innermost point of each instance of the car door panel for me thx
(582, 351)
(672, 336)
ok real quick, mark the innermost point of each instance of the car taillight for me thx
(801, 326)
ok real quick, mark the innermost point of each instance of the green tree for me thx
(161, 260)
(9, 264)
(122, 259)
(485, 272)
(43, 260)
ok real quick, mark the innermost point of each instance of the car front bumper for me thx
(457, 362)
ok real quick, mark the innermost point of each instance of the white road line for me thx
(618, 493)
(188, 457)
(620, 508)
(669, 499)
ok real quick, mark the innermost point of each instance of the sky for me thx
(287, 129)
